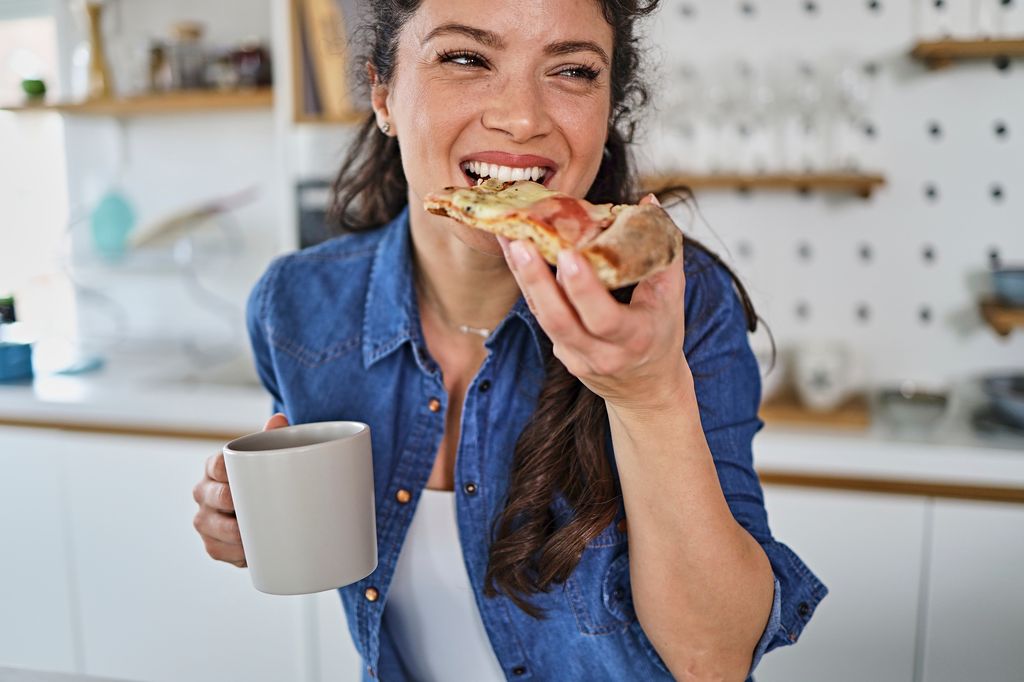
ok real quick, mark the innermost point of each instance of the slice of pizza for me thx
(625, 243)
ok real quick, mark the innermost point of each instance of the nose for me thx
(517, 108)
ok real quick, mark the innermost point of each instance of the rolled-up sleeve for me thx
(728, 388)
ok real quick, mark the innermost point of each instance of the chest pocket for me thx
(599, 590)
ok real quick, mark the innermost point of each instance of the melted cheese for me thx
(576, 221)
(483, 203)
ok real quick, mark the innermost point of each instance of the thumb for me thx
(276, 422)
(650, 199)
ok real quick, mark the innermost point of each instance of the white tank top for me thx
(431, 611)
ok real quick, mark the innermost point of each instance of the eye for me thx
(461, 58)
(581, 72)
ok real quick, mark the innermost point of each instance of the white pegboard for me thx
(896, 276)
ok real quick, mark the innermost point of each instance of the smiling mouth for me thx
(477, 171)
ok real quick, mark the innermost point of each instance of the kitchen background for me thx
(858, 162)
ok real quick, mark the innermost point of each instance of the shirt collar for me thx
(390, 314)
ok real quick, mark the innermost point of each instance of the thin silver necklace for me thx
(464, 328)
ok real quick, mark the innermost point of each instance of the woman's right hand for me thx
(215, 521)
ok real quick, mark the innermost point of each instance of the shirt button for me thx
(804, 609)
(403, 496)
(518, 670)
(622, 526)
(470, 488)
(371, 672)
(485, 386)
(434, 405)
(371, 594)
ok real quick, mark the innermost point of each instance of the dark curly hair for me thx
(562, 449)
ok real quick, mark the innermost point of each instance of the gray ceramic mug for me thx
(304, 502)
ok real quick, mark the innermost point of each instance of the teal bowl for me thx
(1009, 285)
(15, 361)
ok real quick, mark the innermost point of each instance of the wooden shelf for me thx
(162, 103)
(350, 118)
(785, 409)
(938, 54)
(861, 184)
(1001, 317)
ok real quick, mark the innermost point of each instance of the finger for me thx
(215, 468)
(503, 242)
(650, 199)
(211, 524)
(277, 421)
(548, 303)
(664, 290)
(600, 314)
(222, 551)
(217, 496)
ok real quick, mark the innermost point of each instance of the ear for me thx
(378, 96)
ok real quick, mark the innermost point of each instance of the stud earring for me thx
(385, 127)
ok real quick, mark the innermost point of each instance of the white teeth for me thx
(505, 173)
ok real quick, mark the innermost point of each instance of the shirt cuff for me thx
(774, 622)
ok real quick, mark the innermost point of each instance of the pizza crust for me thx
(640, 240)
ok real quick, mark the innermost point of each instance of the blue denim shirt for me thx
(336, 334)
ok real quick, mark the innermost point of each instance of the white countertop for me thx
(165, 394)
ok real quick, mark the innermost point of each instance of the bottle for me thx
(15, 350)
(188, 56)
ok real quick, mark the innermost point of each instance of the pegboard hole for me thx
(994, 258)
(687, 10)
(931, 192)
(865, 253)
(924, 314)
(872, 69)
(996, 191)
(870, 130)
(745, 249)
(935, 130)
(1002, 63)
(875, 6)
(863, 312)
(804, 251)
(803, 310)
(747, 9)
(928, 254)
(1001, 130)
(811, 7)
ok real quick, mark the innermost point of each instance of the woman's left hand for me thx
(629, 354)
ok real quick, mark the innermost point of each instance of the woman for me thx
(561, 493)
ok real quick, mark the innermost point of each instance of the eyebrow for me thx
(478, 34)
(493, 40)
(572, 46)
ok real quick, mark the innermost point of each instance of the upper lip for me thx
(510, 160)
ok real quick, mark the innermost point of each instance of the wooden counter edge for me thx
(821, 481)
(893, 486)
(122, 430)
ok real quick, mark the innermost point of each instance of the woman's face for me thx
(514, 89)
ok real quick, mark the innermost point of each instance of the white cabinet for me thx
(106, 576)
(975, 616)
(36, 597)
(335, 656)
(867, 549)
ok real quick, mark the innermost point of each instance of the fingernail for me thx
(567, 263)
(519, 253)
(654, 199)
(503, 243)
